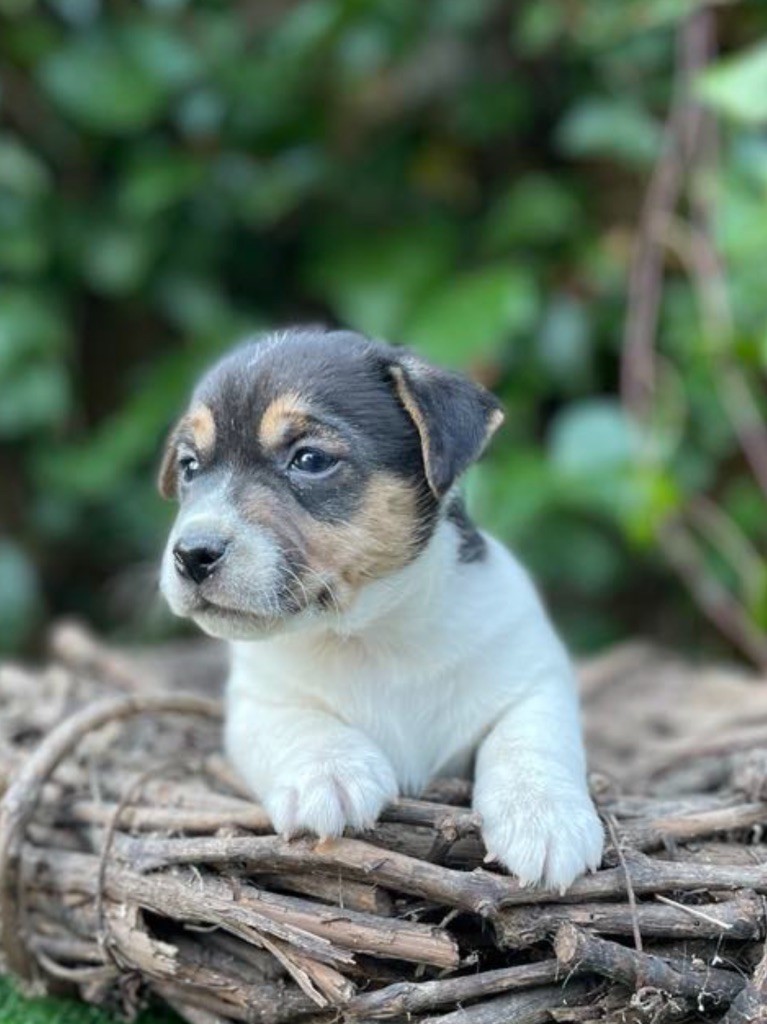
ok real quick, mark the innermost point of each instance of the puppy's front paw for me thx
(542, 838)
(326, 797)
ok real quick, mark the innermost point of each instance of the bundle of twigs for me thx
(133, 864)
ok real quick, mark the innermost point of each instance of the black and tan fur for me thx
(377, 409)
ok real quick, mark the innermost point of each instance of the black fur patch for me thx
(472, 545)
(454, 416)
(352, 388)
(343, 379)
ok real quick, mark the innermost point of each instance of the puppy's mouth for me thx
(203, 606)
(286, 606)
(218, 602)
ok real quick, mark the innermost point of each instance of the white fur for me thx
(430, 667)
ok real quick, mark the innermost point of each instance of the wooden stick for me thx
(167, 819)
(321, 982)
(739, 918)
(82, 651)
(750, 1005)
(522, 1008)
(191, 1014)
(682, 828)
(576, 949)
(255, 960)
(276, 1007)
(480, 891)
(393, 938)
(171, 897)
(406, 998)
(341, 892)
(320, 932)
(477, 891)
(20, 799)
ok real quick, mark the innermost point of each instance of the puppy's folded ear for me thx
(455, 418)
(166, 476)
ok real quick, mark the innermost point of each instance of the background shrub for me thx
(463, 177)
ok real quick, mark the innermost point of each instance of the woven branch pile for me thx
(133, 866)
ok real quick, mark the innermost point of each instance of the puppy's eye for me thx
(188, 467)
(312, 461)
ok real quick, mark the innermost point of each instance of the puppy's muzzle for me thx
(198, 556)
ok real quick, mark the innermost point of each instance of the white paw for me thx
(542, 838)
(327, 797)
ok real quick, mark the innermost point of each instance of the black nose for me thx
(197, 557)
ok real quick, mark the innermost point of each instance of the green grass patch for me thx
(15, 1009)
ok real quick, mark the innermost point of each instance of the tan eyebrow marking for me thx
(202, 427)
(289, 410)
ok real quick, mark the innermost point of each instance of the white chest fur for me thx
(430, 666)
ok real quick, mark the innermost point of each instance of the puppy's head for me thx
(308, 464)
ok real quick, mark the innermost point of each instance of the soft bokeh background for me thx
(466, 176)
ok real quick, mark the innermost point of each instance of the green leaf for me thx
(614, 129)
(304, 28)
(21, 171)
(34, 397)
(264, 192)
(470, 317)
(539, 26)
(737, 86)
(565, 547)
(20, 598)
(648, 498)
(199, 308)
(116, 258)
(564, 342)
(757, 604)
(595, 450)
(372, 279)
(97, 466)
(158, 181)
(460, 16)
(601, 23)
(24, 236)
(511, 490)
(31, 324)
(536, 210)
(103, 88)
(162, 53)
(591, 436)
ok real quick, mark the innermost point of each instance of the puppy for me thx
(377, 638)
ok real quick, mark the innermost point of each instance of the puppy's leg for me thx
(531, 791)
(311, 772)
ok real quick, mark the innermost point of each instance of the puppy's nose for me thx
(198, 557)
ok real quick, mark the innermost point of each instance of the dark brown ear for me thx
(455, 418)
(167, 476)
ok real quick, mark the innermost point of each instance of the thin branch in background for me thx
(721, 530)
(696, 250)
(710, 278)
(663, 194)
(687, 163)
(714, 599)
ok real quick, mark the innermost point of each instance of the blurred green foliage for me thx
(15, 1009)
(462, 177)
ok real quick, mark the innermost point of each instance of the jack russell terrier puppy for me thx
(378, 639)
